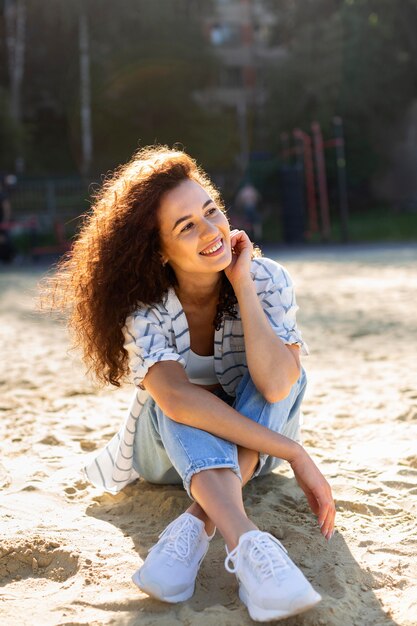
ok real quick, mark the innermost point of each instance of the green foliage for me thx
(147, 61)
(13, 137)
(379, 224)
(354, 58)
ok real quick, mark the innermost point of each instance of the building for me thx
(240, 32)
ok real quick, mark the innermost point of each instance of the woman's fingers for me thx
(317, 490)
(324, 508)
(322, 505)
(327, 513)
(238, 235)
(234, 236)
(312, 501)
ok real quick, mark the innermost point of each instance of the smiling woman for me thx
(193, 226)
(158, 285)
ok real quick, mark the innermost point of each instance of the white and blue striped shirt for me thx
(160, 333)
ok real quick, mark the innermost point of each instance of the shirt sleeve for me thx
(276, 293)
(147, 341)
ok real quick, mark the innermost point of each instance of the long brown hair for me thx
(115, 264)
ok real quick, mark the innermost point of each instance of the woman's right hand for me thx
(316, 489)
(242, 250)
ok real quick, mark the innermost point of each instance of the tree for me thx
(15, 27)
(146, 61)
(85, 92)
(354, 58)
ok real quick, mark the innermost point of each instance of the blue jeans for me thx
(166, 452)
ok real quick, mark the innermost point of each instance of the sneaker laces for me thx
(266, 559)
(179, 538)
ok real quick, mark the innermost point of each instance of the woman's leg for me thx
(282, 417)
(150, 458)
(248, 461)
(270, 584)
(152, 462)
(156, 433)
(170, 570)
(219, 494)
(210, 470)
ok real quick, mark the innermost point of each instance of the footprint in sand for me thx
(50, 440)
(363, 508)
(76, 488)
(411, 461)
(36, 558)
(398, 484)
(87, 445)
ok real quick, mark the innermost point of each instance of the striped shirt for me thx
(160, 333)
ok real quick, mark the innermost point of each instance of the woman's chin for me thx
(224, 261)
(220, 262)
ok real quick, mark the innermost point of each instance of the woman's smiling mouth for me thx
(215, 248)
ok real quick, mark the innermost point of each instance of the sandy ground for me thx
(67, 551)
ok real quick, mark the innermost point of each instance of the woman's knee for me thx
(251, 403)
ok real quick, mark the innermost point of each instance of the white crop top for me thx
(200, 369)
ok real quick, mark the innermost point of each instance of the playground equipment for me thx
(310, 163)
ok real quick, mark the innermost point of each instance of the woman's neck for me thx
(201, 292)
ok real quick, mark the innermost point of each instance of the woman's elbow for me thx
(280, 390)
(276, 394)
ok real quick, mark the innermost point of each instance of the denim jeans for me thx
(166, 452)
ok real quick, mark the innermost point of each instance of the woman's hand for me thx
(317, 490)
(242, 250)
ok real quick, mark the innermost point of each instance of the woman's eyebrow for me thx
(181, 219)
(187, 217)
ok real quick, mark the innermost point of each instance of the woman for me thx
(158, 284)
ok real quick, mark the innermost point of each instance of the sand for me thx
(67, 551)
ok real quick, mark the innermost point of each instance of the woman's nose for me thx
(208, 229)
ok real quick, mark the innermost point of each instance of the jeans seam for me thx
(183, 447)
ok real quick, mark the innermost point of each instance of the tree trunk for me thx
(85, 93)
(15, 23)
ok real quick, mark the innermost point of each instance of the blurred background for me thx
(304, 112)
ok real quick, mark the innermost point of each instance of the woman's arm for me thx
(191, 405)
(274, 366)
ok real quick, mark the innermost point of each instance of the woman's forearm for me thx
(272, 366)
(193, 406)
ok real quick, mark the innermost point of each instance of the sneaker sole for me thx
(259, 614)
(155, 591)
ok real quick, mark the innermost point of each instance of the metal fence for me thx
(49, 200)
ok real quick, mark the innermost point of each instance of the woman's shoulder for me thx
(167, 308)
(263, 268)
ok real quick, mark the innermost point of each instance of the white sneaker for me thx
(171, 567)
(270, 584)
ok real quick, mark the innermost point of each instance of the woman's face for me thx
(195, 234)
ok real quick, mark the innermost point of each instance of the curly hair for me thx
(115, 265)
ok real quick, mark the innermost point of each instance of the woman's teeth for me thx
(214, 248)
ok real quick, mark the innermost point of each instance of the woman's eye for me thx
(187, 227)
(211, 211)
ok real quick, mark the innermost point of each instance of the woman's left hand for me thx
(316, 489)
(242, 249)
